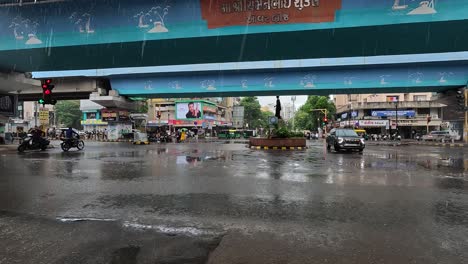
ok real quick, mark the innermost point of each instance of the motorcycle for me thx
(67, 144)
(30, 144)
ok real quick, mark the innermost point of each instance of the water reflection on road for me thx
(205, 183)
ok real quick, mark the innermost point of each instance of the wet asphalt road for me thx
(406, 204)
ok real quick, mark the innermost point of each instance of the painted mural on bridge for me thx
(84, 22)
(298, 82)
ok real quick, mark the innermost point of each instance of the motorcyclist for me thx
(36, 134)
(70, 134)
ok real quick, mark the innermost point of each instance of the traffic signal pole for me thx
(325, 112)
(35, 114)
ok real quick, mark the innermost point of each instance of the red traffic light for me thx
(47, 92)
(325, 119)
(44, 86)
(48, 81)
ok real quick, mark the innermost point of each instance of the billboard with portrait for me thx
(8, 104)
(189, 110)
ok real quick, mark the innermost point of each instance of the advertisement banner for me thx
(189, 110)
(108, 115)
(224, 13)
(8, 104)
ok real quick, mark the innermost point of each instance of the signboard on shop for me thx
(93, 122)
(385, 113)
(124, 116)
(373, 123)
(44, 116)
(414, 122)
(115, 115)
(108, 116)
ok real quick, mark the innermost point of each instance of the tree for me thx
(68, 113)
(143, 107)
(263, 122)
(252, 112)
(307, 119)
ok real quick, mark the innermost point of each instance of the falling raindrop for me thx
(428, 36)
(49, 42)
(143, 45)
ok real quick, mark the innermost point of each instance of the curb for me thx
(389, 145)
(141, 143)
(277, 148)
(110, 141)
(451, 145)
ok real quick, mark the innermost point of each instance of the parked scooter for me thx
(30, 144)
(68, 143)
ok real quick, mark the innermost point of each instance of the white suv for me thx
(438, 136)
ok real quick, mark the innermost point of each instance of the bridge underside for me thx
(400, 77)
(431, 37)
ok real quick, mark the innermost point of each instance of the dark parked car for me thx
(347, 139)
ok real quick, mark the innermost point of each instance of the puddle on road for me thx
(450, 182)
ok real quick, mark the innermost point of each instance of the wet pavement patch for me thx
(317, 210)
(126, 255)
(170, 203)
(30, 239)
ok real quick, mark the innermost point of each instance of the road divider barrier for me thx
(277, 148)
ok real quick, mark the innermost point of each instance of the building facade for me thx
(287, 111)
(29, 116)
(409, 114)
(214, 112)
(92, 116)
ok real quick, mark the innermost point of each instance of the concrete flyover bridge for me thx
(52, 35)
(227, 47)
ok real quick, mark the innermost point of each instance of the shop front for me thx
(374, 126)
(93, 124)
(119, 123)
(408, 128)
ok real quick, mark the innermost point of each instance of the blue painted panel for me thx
(82, 22)
(301, 82)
